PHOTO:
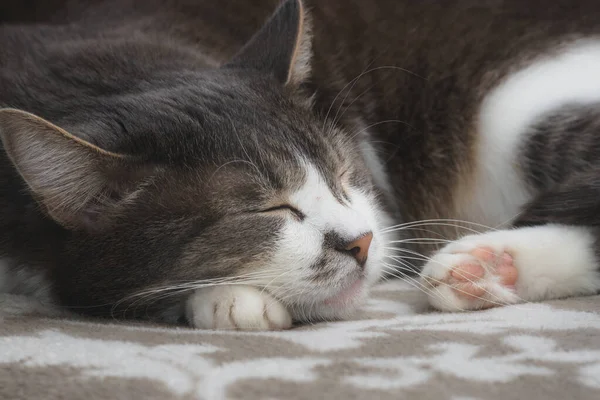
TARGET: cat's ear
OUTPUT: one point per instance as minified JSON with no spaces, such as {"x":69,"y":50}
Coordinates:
{"x":282,"y":47}
{"x":77,"y":183}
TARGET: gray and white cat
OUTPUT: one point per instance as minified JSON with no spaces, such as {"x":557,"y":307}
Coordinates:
{"x":185,"y":161}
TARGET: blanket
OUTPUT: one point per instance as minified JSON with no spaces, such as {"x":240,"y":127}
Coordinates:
{"x":394,"y":349}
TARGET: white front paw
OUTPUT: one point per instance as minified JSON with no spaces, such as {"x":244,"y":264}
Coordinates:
{"x":509,"y":266}
{"x":236,"y":307}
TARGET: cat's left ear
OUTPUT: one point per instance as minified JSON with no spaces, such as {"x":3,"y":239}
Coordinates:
{"x":282,"y":47}
{"x":76,"y":183}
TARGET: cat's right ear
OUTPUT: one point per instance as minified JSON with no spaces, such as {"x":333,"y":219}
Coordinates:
{"x":282,"y":47}
{"x":78,"y":184}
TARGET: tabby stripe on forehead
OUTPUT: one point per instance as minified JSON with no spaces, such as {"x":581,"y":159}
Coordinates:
{"x":333,"y":183}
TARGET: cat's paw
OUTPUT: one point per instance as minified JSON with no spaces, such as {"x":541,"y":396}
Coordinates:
{"x":472,"y":273}
{"x":236,"y":307}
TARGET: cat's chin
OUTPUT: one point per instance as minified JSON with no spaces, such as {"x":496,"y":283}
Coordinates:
{"x":347,"y":294}
{"x":341,"y":305}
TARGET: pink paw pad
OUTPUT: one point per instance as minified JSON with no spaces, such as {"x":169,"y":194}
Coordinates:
{"x":468,"y":277}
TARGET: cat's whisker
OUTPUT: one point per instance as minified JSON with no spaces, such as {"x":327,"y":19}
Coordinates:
{"x":438,"y":220}
{"x":422,"y":229}
{"x":167,"y":295}
{"x":258,"y":170}
{"x":226,"y":164}
{"x":497,"y":303}
{"x":463,"y":274}
{"x":253,"y":278}
{"x":393,"y":271}
{"x":219,"y":279}
{"x":336,"y":119}
{"x":403,"y":257}
{"x":434,"y":224}
{"x":417,"y":237}
{"x":152,"y":298}
{"x":207,"y":282}
{"x":219,"y":168}
{"x":351,"y":82}
{"x":356,"y":79}
{"x":409,"y":239}
{"x":421,"y":257}
{"x":379,"y":123}
{"x":197,"y":286}
{"x":506,"y":223}
{"x":420,"y":240}
{"x":415,"y":253}
{"x":275,"y":278}
{"x":414,"y":283}
{"x":438,"y":294}
{"x":298,"y":309}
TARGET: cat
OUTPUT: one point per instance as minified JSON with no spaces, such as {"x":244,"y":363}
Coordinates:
{"x":249,"y":165}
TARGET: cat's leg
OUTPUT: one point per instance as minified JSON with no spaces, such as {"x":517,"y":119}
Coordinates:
{"x":553,"y":248}
{"x":515,"y":265}
{"x":552,"y":251}
{"x":236,"y":307}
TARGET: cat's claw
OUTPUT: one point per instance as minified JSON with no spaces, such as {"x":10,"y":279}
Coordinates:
{"x":236,"y":307}
{"x":469,"y":275}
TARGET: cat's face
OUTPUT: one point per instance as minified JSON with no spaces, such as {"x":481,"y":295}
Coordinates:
{"x":295,"y":208}
{"x":284,"y":203}
{"x":228,"y":177}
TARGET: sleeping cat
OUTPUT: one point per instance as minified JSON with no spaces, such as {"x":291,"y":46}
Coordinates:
{"x":203,"y":163}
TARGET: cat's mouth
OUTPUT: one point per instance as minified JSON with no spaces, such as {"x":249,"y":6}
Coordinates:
{"x":347,"y":294}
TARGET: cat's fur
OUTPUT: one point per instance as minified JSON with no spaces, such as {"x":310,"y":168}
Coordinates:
{"x":171,"y":132}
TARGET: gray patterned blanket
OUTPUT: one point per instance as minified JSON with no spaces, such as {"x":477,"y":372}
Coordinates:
{"x":394,"y":350}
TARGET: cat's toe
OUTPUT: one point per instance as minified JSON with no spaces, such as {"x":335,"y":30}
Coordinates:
{"x":236,"y":308}
{"x":252,"y":309}
{"x":481,"y":277}
{"x":277,"y":316}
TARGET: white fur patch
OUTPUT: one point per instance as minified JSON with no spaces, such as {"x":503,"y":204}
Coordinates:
{"x":553,"y":261}
{"x":324,"y":212}
{"x":301,"y":243}
{"x":570,"y":76}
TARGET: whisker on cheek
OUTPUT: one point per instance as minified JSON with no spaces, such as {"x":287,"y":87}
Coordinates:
{"x":452,"y":222}
{"x":416,"y":284}
{"x":161,"y":292}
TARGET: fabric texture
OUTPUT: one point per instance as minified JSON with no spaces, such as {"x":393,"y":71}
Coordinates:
{"x":395,"y":349}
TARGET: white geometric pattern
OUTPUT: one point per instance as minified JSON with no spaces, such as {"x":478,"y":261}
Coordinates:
{"x":494,"y":347}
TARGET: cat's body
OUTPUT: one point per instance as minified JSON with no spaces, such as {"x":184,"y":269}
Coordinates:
{"x":484,"y":112}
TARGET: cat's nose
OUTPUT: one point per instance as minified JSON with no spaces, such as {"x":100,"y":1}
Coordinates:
{"x":359,"y":248}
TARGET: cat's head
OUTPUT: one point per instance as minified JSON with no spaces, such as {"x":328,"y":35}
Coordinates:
{"x":197,"y":177}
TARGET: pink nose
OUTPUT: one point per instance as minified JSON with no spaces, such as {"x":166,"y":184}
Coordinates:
{"x":359,"y":248}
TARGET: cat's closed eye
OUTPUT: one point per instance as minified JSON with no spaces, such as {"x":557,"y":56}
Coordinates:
{"x":285,"y":208}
